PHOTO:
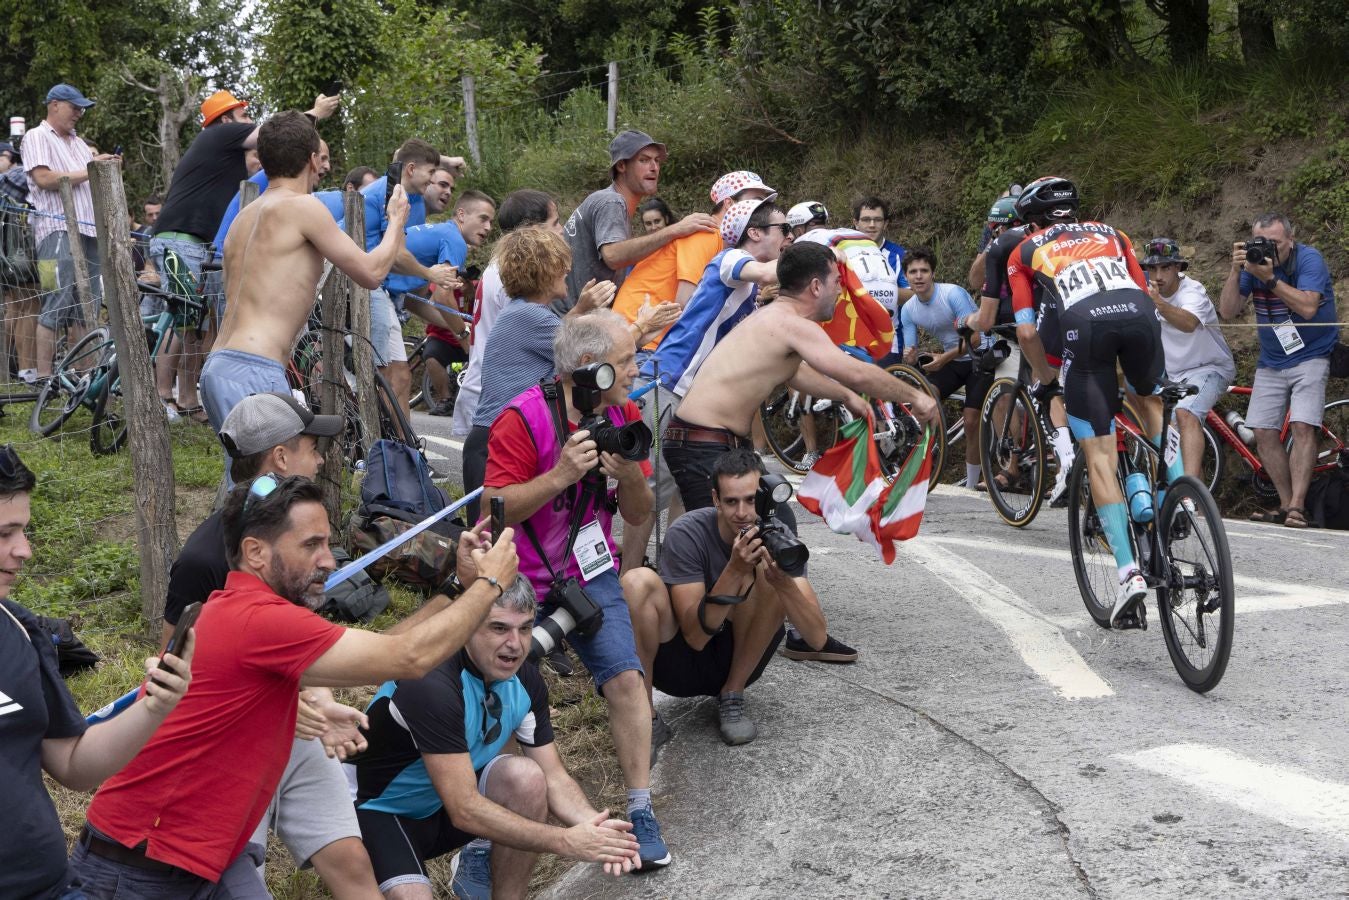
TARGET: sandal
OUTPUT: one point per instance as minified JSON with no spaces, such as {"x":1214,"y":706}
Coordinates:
{"x":1271,"y":516}
{"x":1007,"y":480}
{"x":195,"y":414}
{"x":1296,"y":518}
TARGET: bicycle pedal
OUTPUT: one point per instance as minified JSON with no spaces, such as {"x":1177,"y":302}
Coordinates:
{"x":1136,"y":619}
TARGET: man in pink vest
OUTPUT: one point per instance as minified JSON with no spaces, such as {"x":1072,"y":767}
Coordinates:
{"x":555,"y":480}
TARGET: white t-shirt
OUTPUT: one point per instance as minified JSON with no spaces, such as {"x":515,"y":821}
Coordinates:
{"x":494,"y":300}
{"x":1204,"y":347}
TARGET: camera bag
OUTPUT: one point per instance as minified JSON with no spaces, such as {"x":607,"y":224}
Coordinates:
{"x":358,"y":599}
{"x":1339,"y":360}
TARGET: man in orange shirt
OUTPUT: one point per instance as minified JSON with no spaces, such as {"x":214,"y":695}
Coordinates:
{"x":669,"y":275}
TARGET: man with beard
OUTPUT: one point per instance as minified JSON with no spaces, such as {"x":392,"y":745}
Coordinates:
{"x":177,"y":820}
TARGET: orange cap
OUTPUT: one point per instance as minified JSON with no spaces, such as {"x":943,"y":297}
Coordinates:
{"x":217,"y":105}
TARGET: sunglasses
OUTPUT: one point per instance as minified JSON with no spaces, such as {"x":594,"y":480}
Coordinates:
{"x":786,"y":228}
{"x":491,"y":709}
{"x":9,"y":461}
{"x":261,"y":488}
{"x":1162,"y":247}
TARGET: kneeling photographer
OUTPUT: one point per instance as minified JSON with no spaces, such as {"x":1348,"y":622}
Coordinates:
{"x":552,"y":454}
{"x":709,"y":623}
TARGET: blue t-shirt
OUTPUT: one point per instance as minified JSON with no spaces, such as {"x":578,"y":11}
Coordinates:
{"x":334,"y":201}
{"x":430,"y":245}
{"x":1305,"y":270}
{"x":376,"y":222}
{"x":937,"y":316}
{"x":894,"y":255}
{"x":232,"y":212}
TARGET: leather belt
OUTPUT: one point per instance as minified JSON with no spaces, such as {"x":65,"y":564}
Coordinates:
{"x":129,"y":856}
{"x":683,"y":434}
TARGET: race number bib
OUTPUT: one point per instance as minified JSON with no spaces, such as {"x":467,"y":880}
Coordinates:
{"x":592,"y":551}
{"x":1089,"y":277}
{"x":1172,"y":451}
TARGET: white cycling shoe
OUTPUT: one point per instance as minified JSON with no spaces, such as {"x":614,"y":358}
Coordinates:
{"x":1132,"y":591}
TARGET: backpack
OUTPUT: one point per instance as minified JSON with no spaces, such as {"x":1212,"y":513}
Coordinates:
{"x":358,"y":599}
{"x":1328,"y":499}
{"x":72,"y":656}
{"x":397,"y":483}
{"x":18,"y":257}
{"x":423,"y":562}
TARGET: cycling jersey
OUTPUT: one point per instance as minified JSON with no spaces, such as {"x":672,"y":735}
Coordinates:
{"x":866,"y":259}
{"x":995,"y":271}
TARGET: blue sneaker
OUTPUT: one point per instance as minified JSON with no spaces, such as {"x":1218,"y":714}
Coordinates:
{"x":472,"y":874}
{"x":652,"y":850}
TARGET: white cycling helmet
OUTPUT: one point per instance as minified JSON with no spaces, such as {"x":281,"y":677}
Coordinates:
{"x":810,"y":212}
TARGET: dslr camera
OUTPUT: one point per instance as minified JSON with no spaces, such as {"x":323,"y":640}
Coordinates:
{"x":572,"y":610}
{"x":785,"y":548}
{"x":631,"y":441}
{"x":1260,"y":250}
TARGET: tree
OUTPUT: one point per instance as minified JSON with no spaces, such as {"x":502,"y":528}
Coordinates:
{"x":1187,"y":29}
{"x":1255,"y":23}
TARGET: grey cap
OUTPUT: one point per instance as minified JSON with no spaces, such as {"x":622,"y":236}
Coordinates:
{"x":262,"y":421}
{"x":627,"y":144}
{"x":70,"y":95}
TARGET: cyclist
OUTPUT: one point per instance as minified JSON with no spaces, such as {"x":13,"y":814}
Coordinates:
{"x":1094,"y":307}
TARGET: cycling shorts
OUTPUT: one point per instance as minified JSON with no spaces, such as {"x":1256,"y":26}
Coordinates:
{"x":1051,"y":333}
{"x":1112,"y":327}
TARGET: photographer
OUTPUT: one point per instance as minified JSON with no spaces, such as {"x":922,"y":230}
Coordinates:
{"x":553,"y":475}
{"x":1292,"y":290}
{"x":708,"y":625}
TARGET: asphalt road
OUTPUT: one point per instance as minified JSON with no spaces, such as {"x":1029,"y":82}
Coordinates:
{"x":993,"y":741}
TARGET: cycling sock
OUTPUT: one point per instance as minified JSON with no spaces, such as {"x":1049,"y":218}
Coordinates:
{"x":1063,"y":447}
{"x":639,"y":798}
{"x":972,"y":474}
{"x":1115,"y":522}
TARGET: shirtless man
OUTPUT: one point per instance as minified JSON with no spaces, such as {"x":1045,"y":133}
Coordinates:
{"x":273,"y":258}
{"x":780,"y":342}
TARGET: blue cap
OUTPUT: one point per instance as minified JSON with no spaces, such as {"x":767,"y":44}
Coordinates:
{"x":70,"y":95}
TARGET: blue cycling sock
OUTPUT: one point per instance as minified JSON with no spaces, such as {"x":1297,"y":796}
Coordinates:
{"x":1115,"y":521}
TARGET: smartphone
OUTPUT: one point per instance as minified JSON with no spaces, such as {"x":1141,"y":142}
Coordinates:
{"x":334,"y":88}
{"x":498,"y":517}
{"x":185,"y":621}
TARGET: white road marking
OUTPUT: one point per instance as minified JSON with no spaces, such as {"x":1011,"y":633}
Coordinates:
{"x":444,"y":442}
{"x":1040,"y":643}
{"x":1274,"y":792}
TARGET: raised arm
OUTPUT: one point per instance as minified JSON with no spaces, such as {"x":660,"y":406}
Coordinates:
{"x":366,"y":269}
{"x":810,"y":342}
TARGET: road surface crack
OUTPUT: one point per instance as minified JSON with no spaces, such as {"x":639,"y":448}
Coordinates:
{"x":1049,"y":810}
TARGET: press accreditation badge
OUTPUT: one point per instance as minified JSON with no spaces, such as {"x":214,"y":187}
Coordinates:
{"x":1289,"y":338}
{"x":592,"y":551}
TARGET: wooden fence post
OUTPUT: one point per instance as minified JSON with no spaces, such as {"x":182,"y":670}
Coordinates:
{"x":332,"y":388}
{"x":471,"y":120}
{"x":148,"y":426}
{"x":613,"y":97}
{"x":362,"y":354}
{"x":83,"y":289}
{"x":4,"y":328}
{"x":248,"y":192}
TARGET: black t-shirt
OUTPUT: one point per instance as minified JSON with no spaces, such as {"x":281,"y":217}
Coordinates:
{"x":694,"y":551}
{"x":200,"y":569}
{"x":995,"y":271}
{"x":206,"y":179}
{"x":34,"y":706}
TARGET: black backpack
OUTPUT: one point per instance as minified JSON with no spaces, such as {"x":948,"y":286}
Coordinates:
{"x":358,"y":599}
{"x":397,"y":483}
{"x":1328,"y":499}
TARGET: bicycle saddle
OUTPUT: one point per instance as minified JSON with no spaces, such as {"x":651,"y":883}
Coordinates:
{"x":1175,"y":390}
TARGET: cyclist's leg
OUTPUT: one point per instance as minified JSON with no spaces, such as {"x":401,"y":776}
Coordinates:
{"x":1142,"y":359}
{"x":1051,"y":336}
{"x":976,"y":389}
{"x":808,"y":436}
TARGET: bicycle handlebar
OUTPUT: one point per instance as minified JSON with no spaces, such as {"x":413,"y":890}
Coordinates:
{"x":191,"y":303}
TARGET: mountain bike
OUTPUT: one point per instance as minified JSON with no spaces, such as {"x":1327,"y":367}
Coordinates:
{"x":1182,"y":552}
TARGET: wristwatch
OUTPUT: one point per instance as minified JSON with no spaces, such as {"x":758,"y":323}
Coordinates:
{"x":451,"y":587}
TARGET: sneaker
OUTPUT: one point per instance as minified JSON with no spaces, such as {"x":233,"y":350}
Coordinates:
{"x":471,"y":871}
{"x":28,"y":376}
{"x":171,"y":412}
{"x":651,"y":847}
{"x":661,"y":732}
{"x":1058,"y":494}
{"x":559,"y":662}
{"x":833,"y":651}
{"x":1132,"y":591}
{"x":821,"y":405}
{"x":810,"y":459}
{"x":443,"y":408}
{"x":736,"y":728}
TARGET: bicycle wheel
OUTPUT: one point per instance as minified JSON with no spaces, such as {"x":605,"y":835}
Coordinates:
{"x":1093,"y":561}
{"x":421,"y":397}
{"x":937,"y":449}
{"x":1333,"y":436}
{"x":782,"y":427}
{"x":63,"y":393}
{"x":1196,"y":600}
{"x":1213,"y":466}
{"x":108,"y":434}
{"x":1012,"y":444}
{"x":428,"y":392}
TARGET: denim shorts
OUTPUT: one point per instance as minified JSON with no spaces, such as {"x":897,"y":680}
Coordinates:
{"x":229,"y":376}
{"x":386,"y":334}
{"x":194,"y":255}
{"x":612,"y":650}
{"x":1213,"y":383}
{"x":1300,"y":391}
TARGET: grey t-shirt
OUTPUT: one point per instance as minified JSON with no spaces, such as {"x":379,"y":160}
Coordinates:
{"x":694,"y":551}
{"x":602,"y":218}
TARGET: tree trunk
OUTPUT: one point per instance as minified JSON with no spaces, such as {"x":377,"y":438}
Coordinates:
{"x":1187,"y":31}
{"x":177,"y":101}
{"x":1255,"y":22}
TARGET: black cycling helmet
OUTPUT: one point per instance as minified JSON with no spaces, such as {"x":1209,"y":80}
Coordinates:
{"x":1163,"y":251}
{"x":1047,"y":200}
{"x":1004,"y":212}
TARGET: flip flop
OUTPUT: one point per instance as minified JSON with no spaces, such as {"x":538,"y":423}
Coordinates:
{"x":1271,"y":516}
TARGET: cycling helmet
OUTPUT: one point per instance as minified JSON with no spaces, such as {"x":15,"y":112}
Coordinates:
{"x":733,"y":183}
{"x":811,"y":212}
{"x":1047,"y":200}
{"x":1004,"y":212}
{"x":1163,"y":251}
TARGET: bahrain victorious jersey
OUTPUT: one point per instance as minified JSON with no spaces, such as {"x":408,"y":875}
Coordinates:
{"x":1067,"y":263}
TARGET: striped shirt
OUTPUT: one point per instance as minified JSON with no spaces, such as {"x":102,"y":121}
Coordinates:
{"x":519,"y":353}
{"x":44,"y":147}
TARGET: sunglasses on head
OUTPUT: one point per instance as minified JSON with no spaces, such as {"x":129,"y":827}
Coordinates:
{"x":261,"y":488}
{"x":491,"y":709}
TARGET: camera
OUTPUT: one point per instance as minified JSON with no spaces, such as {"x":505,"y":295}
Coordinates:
{"x":631,"y":441}
{"x":787,"y":551}
{"x":572,"y":610}
{"x":1261,"y":250}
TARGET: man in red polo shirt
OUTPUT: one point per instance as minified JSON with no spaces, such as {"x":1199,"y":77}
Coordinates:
{"x":176,"y":821}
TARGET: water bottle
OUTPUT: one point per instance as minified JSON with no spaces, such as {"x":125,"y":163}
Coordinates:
{"x":1237,"y":423}
{"x":1139,"y":491}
